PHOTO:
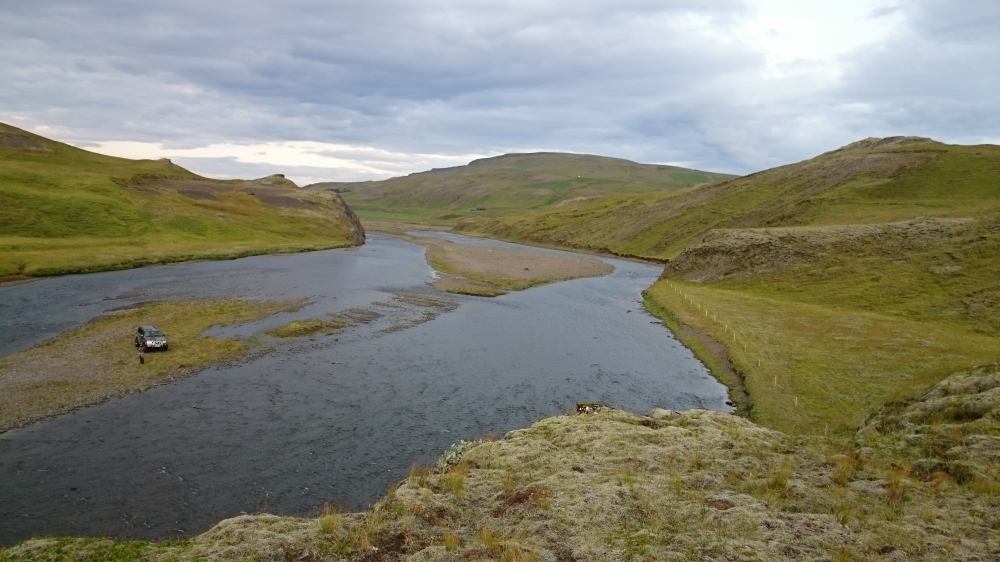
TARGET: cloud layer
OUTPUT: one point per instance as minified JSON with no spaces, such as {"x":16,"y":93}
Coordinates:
{"x":367,"y":89}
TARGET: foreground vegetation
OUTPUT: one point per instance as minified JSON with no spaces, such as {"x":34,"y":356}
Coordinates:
{"x":63,"y":210}
{"x":695,"y":485}
{"x":98,"y":360}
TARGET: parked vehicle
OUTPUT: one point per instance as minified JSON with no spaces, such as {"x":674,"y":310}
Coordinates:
{"x":150,"y":338}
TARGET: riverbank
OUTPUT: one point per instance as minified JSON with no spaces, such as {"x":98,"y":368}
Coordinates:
{"x":480,"y":271}
{"x":98,"y":361}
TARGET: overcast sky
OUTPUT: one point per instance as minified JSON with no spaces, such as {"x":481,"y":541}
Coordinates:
{"x":347,"y":90}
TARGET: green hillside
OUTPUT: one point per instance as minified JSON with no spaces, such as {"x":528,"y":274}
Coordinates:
{"x":821,"y":289}
{"x":513,"y":183}
{"x":870,"y":181}
{"x":63,"y":209}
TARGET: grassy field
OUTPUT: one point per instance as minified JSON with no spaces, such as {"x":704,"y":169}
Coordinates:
{"x":98,"y":360}
{"x":509,"y":184}
{"x":63,"y":209}
{"x":823,"y":369}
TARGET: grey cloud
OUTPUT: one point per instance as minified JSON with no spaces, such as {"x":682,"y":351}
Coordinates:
{"x":619,"y":78}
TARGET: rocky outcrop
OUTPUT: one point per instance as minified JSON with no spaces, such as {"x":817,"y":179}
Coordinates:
{"x":355,"y":230}
{"x":725,"y":253}
{"x":277,"y":180}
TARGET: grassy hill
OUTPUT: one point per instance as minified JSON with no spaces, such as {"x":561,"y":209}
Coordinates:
{"x":512,"y":183}
{"x":64,"y":209}
{"x":870,"y":181}
{"x":825,"y":287}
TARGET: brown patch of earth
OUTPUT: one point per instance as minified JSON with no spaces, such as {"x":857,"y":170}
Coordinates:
{"x":488,"y":272}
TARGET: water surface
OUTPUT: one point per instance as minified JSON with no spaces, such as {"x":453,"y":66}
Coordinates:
{"x":328,"y":419}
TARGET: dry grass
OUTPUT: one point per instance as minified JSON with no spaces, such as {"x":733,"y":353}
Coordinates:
{"x":99,"y":360}
{"x":330,"y":520}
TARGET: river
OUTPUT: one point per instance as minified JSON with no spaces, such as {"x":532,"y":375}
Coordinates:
{"x":328,"y":419}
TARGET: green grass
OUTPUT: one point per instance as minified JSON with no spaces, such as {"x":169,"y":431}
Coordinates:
{"x":508,"y":185}
{"x":299,"y":328}
{"x":99,"y":360}
{"x":860,"y":184}
{"x":823,"y":369}
{"x":63,"y":209}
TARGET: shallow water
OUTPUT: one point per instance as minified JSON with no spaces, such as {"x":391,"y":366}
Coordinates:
{"x":328,"y":419}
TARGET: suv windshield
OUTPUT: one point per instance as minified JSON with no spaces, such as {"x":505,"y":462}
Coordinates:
{"x":153,"y":333}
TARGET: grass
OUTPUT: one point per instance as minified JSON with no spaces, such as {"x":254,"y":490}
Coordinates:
{"x":67,"y":210}
{"x":821,"y":369}
{"x":870,"y":183}
{"x":506,"y":185}
{"x":98,"y":360}
{"x":298,"y":328}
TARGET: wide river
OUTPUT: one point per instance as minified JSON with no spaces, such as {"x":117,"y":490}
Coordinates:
{"x":325,"y":419}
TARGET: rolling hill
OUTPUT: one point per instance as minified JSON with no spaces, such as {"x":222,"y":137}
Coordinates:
{"x":509,"y":184}
{"x":820,"y":290}
{"x":64,"y":209}
{"x":870,"y":181}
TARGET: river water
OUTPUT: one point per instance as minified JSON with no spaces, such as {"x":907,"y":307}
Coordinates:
{"x":326,"y":419}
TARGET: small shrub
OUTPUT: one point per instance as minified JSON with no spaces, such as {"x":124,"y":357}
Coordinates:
{"x":330,"y":520}
{"x":454,"y":480}
{"x":451,"y":541}
{"x":897,"y":487}
{"x":509,"y":481}
{"x":419,"y":476}
{"x":844,"y":468}
{"x":516,"y":552}
{"x":490,"y":539}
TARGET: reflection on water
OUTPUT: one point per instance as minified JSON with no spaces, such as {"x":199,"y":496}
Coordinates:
{"x":329,"y":419}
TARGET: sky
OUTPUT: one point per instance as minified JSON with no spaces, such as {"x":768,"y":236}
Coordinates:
{"x":347,"y":90}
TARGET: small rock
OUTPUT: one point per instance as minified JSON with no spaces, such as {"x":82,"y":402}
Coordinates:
{"x":662,"y":414}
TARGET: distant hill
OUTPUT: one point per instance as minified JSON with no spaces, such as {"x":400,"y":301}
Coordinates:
{"x":64,"y":209}
{"x":508,"y":184}
{"x":870,"y":181}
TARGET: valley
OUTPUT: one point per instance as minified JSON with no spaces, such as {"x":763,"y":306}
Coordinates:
{"x":846,"y":301}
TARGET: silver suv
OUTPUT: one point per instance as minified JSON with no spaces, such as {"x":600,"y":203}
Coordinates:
{"x":149,"y":338}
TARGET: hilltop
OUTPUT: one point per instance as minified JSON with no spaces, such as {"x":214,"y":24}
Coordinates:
{"x":64,"y":209}
{"x":870,"y":181}
{"x":508,"y":184}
